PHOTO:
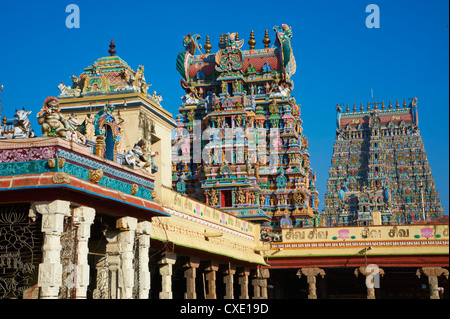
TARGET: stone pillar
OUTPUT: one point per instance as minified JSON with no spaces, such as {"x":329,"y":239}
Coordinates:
{"x":83,"y":218}
{"x":243,"y":283}
{"x":143,"y":232}
{"x":50,"y":270}
{"x":165,"y":269}
{"x":113,"y":263}
{"x":228,"y":280}
{"x":311,"y":274}
{"x":370,"y":271}
{"x":191,"y":274}
{"x":210,"y":274}
{"x":260,"y":284}
{"x":433,"y":273}
{"x":125,"y":239}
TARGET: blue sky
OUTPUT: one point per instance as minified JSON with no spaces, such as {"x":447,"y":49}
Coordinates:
{"x":339,"y":59}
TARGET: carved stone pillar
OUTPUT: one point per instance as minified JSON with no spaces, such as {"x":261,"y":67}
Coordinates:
{"x":260,"y":284}
{"x":83,"y":218}
{"x":228,"y":280}
{"x":311,"y":274}
{"x":243,"y":282}
{"x":143,"y":232}
{"x":371,"y":272}
{"x":210,"y":275}
{"x":433,"y":273}
{"x":190,"y":274}
{"x":165,"y":269}
{"x":125,"y":239}
{"x":50,"y":270}
{"x":112,"y":261}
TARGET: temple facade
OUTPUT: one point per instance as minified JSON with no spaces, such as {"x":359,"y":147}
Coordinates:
{"x":87,"y":210}
{"x":379,"y":168}
{"x":239,"y":143}
{"x":91,"y":207}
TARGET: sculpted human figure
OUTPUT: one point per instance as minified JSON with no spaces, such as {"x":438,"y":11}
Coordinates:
{"x":53,"y":122}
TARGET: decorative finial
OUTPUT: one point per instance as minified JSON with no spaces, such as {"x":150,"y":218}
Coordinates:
{"x":368,"y":106}
{"x":1,"y":89}
{"x":208,"y":45}
{"x":221,"y":43}
{"x":404,"y":103}
{"x":266,"y":40}
{"x":111,"y":50}
{"x":382,"y":105}
{"x":376,"y":106}
{"x":354,"y":107}
{"x":347,"y":109}
{"x":236,"y":38}
{"x":252,"y":41}
{"x":397,"y":105}
{"x":361,"y":108}
{"x":390,"y":105}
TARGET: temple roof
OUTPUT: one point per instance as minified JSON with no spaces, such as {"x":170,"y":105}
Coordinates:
{"x":108,"y":75}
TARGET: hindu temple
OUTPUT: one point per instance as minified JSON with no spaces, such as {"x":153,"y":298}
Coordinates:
{"x":379,"y":168}
{"x":114,"y":198}
{"x":239,"y":143}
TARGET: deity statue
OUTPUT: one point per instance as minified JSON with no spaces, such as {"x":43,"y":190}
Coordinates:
{"x":53,"y":122}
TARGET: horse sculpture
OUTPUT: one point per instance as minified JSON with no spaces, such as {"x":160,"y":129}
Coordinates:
{"x":17,"y":128}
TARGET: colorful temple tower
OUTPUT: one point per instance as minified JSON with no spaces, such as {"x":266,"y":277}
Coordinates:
{"x":239,"y":143}
{"x":111,"y":105}
{"x":379,"y":170}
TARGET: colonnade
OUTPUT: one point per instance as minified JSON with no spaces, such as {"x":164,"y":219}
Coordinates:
{"x":372,"y":274}
{"x":123,"y":271}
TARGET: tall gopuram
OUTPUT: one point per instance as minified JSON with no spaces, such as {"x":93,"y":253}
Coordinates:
{"x":379,"y":169}
{"x":239,"y":143}
{"x":109,"y":88}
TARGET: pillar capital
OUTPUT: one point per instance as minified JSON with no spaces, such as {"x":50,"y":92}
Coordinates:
{"x":310,"y":274}
{"x":367,"y":271}
{"x":126,"y":223}
{"x":53,"y":215}
{"x":168,"y":259}
{"x":144,"y":228}
{"x":432,"y":272}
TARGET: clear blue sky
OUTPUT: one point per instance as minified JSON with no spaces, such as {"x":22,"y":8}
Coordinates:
{"x":339,"y":60}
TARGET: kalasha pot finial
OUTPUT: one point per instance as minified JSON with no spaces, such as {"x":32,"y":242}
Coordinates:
{"x":111,"y":50}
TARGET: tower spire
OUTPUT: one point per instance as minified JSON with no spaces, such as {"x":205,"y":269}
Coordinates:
{"x":112,"y":46}
{"x":252,"y":41}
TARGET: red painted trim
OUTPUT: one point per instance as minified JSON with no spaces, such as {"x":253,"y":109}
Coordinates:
{"x":40,"y":187}
{"x":357,"y":261}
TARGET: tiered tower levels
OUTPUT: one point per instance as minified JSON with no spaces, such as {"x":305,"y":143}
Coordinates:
{"x":379,"y":168}
{"x":239,"y":144}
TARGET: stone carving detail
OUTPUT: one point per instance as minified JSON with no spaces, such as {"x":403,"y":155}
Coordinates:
{"x":61,"y":178}
{"x":53,"y":122}
{"x":18,"y":128}
{"x":95,"y":175}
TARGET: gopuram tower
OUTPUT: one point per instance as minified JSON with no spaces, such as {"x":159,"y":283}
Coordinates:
{"x":239,"y":143}
{"x":379,"y":171}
